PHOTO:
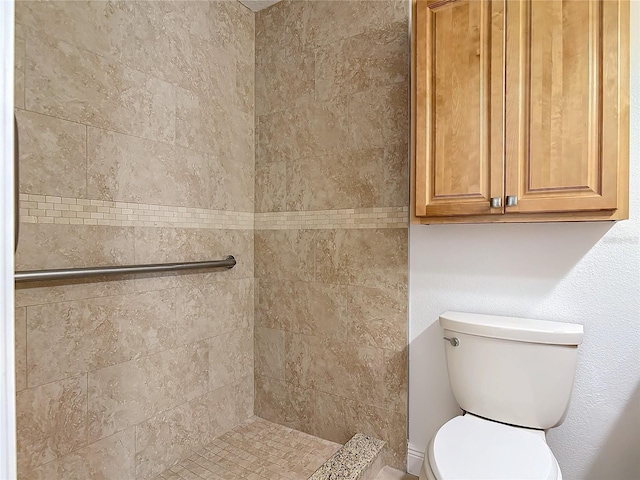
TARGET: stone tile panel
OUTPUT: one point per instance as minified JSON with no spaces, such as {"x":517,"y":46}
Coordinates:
{"x":377,"y":316}
{"x":99,"y":27}
{"x":270,"y":353}
{"x":343,"y":369}
{"x":245,"y":397}
{"x":107,"y":459}
{"x":271,"y":186}
{"x":287,"y":81}
{"x":284,"y":403}
{"x":51,"y":421}
{"x":337,"y":419}
{"x":370,"y":258}
{"x":123,"y":168}
{"x":378,"y":117}
{"x":20,"y":48}
{"x":211,"y":309}
{"x":128,"y":393}
{"x":312,"y":129}
{"x":68,"y":82}
{"x":53,"y":157}
{"x":46,"y":246}
{"x":348,"y":66}
{"x":373,"y":177}
{"x":231,"y":358}
{"x":21,"y":347}
{"x":70,"y":338}
{"x":285,"y":254}
{"x":168,"y":436}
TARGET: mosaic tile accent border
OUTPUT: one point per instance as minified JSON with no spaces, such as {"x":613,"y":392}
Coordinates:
{"x":376,"y":217}
{"x":80,"y":211}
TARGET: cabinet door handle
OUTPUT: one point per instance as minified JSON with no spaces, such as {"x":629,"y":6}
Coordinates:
{"x":512,"y":200}
{"x":495,"y":202}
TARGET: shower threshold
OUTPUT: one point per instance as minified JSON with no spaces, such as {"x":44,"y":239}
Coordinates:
{"x":255,"y":449}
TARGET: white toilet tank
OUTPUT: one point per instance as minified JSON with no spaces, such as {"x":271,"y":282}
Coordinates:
{"x":512,"y":370}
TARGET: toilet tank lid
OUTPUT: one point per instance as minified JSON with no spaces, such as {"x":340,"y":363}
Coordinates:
{"x":513,"y":328}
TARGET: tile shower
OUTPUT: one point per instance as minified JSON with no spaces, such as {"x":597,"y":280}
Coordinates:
{"x":184,"y":131}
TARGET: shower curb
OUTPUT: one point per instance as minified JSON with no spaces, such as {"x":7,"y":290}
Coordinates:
{"x":359,"y":459}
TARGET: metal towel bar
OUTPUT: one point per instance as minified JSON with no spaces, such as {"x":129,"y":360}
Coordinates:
{"x":67,"y":273}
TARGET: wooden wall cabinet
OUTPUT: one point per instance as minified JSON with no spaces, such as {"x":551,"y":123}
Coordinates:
{"x":520,"y":110}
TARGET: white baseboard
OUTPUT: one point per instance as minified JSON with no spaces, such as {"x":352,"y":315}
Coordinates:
{"x":415,"y":457}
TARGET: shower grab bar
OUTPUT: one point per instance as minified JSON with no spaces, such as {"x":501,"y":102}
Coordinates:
{"x":68,"y":273}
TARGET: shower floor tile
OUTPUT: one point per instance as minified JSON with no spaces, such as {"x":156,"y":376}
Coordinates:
{"x":255,"y":449}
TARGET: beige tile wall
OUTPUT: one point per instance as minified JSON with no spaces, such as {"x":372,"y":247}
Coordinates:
{"x":136,"y":132}
{"x":137,"y":146}
{"x":331,"y":209}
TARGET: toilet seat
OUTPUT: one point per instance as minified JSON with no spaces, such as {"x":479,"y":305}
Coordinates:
{"x":469,"y":447}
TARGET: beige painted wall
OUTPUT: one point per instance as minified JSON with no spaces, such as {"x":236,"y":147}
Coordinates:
{"x":136,"y":134}
{"x":331,"y":231}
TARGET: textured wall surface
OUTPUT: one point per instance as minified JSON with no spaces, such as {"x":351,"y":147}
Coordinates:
{"x":136,"y":134}
{"x":586,"y":273}
{"x":331,"y":171}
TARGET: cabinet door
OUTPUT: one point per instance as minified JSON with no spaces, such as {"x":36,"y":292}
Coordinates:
{"x":459,"y":107}
{"x":565,"y":111}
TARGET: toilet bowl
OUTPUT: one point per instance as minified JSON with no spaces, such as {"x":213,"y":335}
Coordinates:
{"x":470,"y":447}
{"x":513,"y":379}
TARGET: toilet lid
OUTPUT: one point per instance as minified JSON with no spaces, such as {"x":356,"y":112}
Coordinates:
{"x":468,"y":447}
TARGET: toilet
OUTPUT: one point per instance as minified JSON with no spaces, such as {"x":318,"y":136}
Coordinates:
{"x":512,"y":378}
